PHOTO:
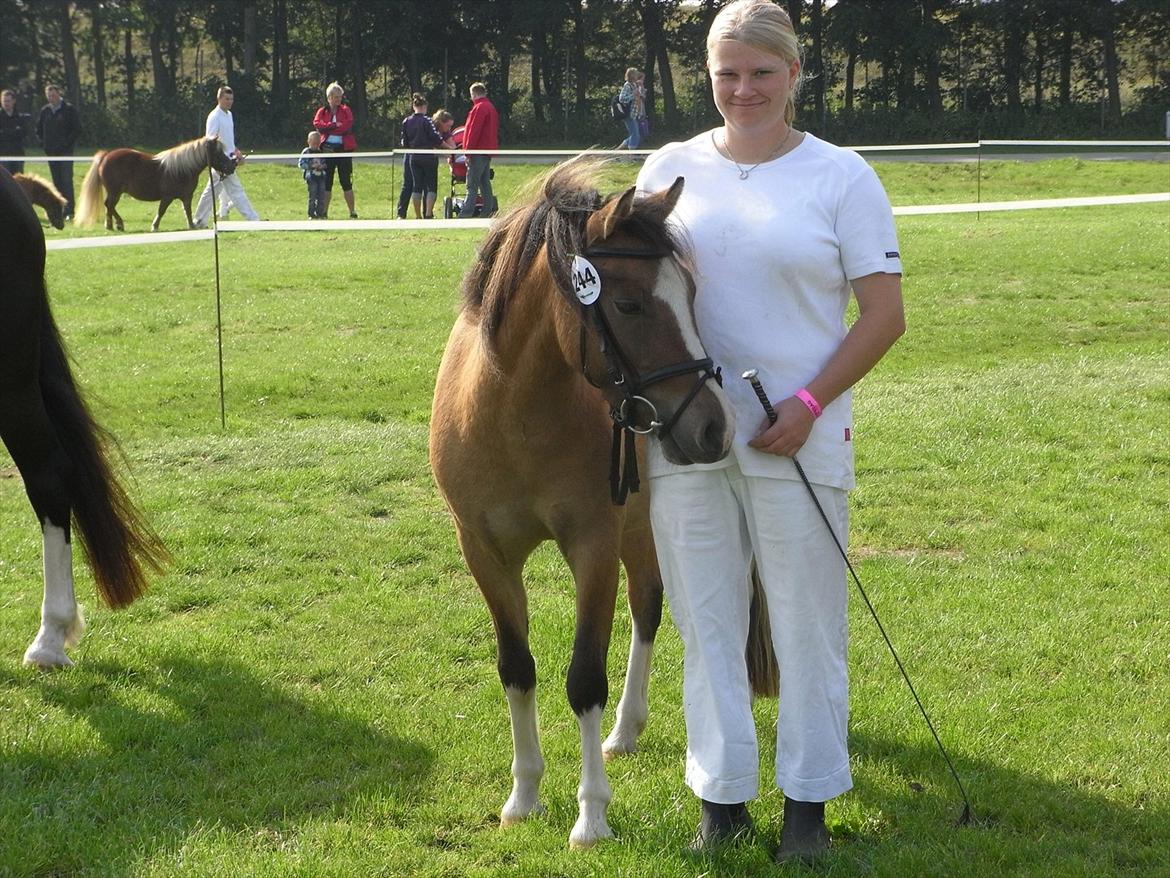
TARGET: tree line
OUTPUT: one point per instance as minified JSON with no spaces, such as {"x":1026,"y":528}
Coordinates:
{"x":145,"y":71}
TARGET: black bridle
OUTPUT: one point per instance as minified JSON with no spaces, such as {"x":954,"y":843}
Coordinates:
{"x":621,"y":374}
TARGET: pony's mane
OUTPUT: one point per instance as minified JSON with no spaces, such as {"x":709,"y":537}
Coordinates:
{"x":185,"y":159}
{"x":38,"y":189}
{"x":555,"y":218}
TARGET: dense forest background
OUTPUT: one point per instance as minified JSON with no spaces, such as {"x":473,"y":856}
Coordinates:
{"x":144,"y":72}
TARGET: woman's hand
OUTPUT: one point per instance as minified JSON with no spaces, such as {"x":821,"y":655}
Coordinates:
{"x":787,"y":436}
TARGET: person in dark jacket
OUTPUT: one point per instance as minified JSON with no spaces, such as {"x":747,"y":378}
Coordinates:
{"x":14,"y":128}
{"x":57,"y":130}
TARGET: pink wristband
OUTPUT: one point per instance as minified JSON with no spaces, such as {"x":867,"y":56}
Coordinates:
{"x":809,"y":401}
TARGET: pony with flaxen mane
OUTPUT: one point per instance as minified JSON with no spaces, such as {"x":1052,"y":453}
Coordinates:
{"x":44,"y":195}
{"x":576,"y":332}
{"x":62,"y":454}
{"x":170,"y":175}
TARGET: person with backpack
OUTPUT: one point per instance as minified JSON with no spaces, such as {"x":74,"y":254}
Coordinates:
{"x":631,"y":101}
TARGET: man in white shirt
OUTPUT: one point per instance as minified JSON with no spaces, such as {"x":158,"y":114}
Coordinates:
{"x":221,"y":124}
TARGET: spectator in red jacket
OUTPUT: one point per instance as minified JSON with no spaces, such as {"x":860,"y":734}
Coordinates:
{"x":335,"y":122}
{"x":481,"y":131}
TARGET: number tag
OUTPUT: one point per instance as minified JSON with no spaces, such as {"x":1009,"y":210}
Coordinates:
{"x":586,"y":281}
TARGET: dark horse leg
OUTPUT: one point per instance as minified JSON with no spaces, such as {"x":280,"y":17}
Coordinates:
{"x":501,"y":583}
{"x":644,"y":591}
{"x":25,"y":424}
{"x":57,"y":447}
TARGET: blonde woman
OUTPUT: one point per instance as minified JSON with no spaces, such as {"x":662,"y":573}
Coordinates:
{"x":785,"y":228}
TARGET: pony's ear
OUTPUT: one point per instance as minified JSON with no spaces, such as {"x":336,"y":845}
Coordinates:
{"x":661,"y":204}
{"x":605,"y":221}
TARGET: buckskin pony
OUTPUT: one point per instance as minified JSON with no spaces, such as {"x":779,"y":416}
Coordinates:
{"x":576,"y":331}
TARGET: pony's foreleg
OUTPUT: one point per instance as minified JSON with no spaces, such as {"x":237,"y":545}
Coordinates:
{"x":596,"y":573}
{"x":644,"y":588}
{"x":61,"y":621}
{"x":186,"y":202}
{"x":527,"y":761}
{"x":502,"y":586}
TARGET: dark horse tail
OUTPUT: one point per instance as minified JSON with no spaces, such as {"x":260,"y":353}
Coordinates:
{"x":763,"y":669}
{"x":118,"y":542}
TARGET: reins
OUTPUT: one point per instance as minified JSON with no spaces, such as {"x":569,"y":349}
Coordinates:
{"x":622,"y":375}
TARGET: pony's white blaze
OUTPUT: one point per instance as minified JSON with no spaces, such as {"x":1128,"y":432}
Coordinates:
{"x":671,"y":288}
{"x":61,"y":621}
{"x":594,"y":794}
{"x":527,"y":761}
{"x":634,"y":707}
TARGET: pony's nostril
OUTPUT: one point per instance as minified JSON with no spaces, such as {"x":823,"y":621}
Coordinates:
{"x":713,"y":435}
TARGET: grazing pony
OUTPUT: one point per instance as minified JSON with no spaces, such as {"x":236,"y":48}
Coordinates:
{"x":60,"y":451}
{"x":577,"y":316}
{"x":171,"y":174}
{"x":44,"y":195}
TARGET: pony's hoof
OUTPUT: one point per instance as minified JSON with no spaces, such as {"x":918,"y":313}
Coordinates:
{"x":586,"y":833}
{"x":45,"y":659}
{"x":514,"y":813}
{"x":618,"y":745}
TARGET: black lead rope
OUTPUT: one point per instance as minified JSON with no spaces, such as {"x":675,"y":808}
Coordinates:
{"x":966,"y":817}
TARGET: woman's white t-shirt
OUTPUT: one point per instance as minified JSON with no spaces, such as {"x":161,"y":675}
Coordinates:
{"x":773,"y":258}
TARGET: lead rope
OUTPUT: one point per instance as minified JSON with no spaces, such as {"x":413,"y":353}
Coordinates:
{"x":966,"y":817}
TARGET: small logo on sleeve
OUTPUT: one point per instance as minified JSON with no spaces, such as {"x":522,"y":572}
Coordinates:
{"x":848,"y":434}
{"x":892,"y":254}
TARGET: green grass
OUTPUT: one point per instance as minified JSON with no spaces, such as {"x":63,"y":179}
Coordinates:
{"x":278,"y":192}
{"x":311,"y":688}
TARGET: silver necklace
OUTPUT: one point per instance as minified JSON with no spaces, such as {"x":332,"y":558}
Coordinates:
{"x":744,"y":173}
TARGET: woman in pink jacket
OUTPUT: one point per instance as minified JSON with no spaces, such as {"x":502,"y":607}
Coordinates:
{"x":335,"y":122}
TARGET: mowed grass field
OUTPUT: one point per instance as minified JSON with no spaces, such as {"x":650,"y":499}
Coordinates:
{"x":311,"y":689}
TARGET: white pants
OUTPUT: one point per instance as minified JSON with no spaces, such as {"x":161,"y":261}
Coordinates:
{"x":707,"y":524}
{"x":231,"y":194}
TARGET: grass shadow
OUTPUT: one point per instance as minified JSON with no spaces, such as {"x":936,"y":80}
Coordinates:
{"x":187,"y":747}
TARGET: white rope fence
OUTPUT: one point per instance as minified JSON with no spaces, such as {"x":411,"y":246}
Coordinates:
{"x":467,"y":224}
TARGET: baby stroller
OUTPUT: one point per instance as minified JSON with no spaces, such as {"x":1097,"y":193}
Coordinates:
{"x":453,"y":203}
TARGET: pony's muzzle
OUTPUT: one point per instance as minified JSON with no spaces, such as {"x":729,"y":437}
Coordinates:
{"x":704,"y":430}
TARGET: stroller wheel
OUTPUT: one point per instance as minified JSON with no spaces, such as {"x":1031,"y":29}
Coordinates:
{"x":448,"y":208}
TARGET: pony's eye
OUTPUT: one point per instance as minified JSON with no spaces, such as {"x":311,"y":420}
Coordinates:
{"x":628,"y":306}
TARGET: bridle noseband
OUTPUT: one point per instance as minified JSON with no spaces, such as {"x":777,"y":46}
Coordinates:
{"x":622,"y":375}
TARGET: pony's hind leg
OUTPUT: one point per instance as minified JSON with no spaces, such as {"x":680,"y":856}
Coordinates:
{"x":25,"y":428}
{"x":644,"y":589}
{"x":112,"y":215}
{"x":503,"y":589}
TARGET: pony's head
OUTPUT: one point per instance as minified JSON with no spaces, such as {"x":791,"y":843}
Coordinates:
{"x":45,"y":195}
{"x":622,"y":304}
{"x":217,"y":158}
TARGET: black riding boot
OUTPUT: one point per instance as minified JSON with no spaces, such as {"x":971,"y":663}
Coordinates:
{"x":804,"y":835}
{"x":721,"y":823}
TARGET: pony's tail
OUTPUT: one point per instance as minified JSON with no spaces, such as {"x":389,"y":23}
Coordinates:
{"x":763,"y":669}
{"x":89,"y":204}
{"x":118,"y":542}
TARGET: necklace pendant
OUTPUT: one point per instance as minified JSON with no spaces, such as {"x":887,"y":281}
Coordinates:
{"x":743,"y":175}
